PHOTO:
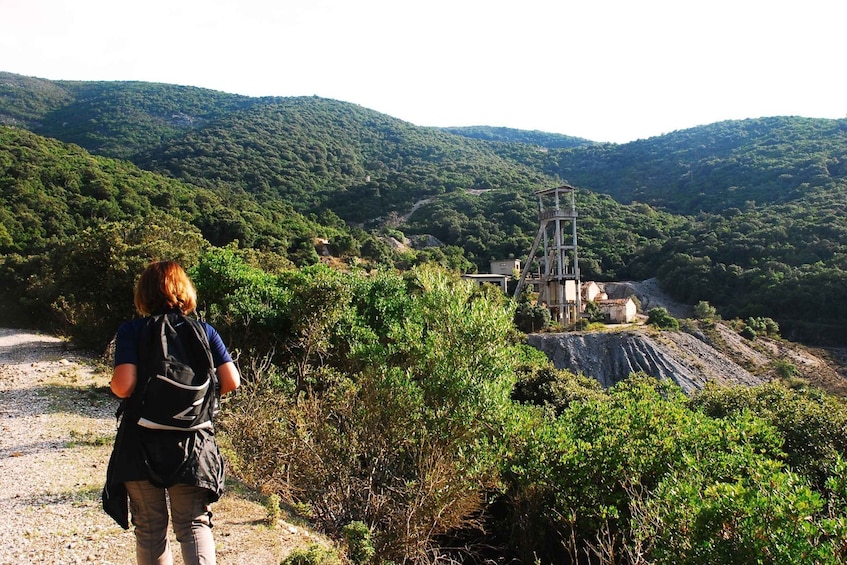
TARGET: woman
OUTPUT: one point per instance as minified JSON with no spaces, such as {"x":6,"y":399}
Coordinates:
{"x":164,"y":287}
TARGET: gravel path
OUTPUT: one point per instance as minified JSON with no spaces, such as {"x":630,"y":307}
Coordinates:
{"x":56,"y":430}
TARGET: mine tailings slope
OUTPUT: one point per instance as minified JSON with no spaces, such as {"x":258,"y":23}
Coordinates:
{"x":689,"y":359}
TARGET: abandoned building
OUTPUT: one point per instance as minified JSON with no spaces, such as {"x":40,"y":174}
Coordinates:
{"x":618,"y":310}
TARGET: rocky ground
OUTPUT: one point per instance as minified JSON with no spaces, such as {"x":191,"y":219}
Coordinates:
{"x":692,"y":357}
{"x":56,"y":429}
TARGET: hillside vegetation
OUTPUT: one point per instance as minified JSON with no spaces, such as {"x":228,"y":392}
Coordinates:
{"x":748,"y":215}
{"x":397,"y":407}
{"x":401,"y":412}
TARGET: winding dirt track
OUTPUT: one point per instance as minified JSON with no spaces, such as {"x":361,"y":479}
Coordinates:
{"x":56,"y":429}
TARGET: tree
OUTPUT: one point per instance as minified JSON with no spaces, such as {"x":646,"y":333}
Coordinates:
{"x":660,"y":318}
{"x":89,"y":281}
{"x":704,"y":311}
{"x":531,"y":317}
{"x":593,"y":312}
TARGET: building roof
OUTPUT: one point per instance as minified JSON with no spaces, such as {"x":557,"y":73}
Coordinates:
{"x":614,"y":301}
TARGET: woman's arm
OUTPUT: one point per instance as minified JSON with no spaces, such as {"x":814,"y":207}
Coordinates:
{"x":228,"y":377}
{"x":124,"y":378}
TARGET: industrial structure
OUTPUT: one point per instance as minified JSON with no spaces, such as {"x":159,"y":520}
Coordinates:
{"x":557,"y":280}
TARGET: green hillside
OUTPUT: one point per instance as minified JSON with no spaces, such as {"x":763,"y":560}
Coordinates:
{"x":115,"y":119}
{"x":747,"y":215}
{"x":316,"y":153}
{"x":51,"y":191}
{"x":733,"y":164}
{"x":510,"y":135}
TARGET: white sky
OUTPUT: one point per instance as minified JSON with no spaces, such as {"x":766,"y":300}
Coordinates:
{"x":606,"y":70}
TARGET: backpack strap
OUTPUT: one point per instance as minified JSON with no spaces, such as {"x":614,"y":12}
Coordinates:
{"x":199,"y":349}
{"x":148,"y":339}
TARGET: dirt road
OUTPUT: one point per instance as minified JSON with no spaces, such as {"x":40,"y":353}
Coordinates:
{"x":56,"y":430}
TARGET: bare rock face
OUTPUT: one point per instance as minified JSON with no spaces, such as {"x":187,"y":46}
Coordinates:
{"x":610,"y":357}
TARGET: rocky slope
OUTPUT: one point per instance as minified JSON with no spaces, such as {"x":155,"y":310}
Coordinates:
{"x":611,"y":356}
{"x":691,"y":358}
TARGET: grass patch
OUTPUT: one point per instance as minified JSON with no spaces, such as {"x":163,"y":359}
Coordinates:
{"x":88,"y":439}
{"x":77,"y":399}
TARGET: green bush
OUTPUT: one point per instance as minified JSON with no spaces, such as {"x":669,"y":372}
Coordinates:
{"x":763,"y":326}
{"x":315,"y":554}
{"x":660,"y":318}
{"x":531,"y":317}
{"x":272,"y":509}
{"x":400,"y":390}
{"x":748,"y":333}
{"x":813,"y":424}
{"x":785,"y":369}
{"x":543,"y":385}
{"x":89,"y":279}
{"x":593,"y":313}
{"x":705,"y":311}
{"x":576,"y":477}
{"x":360,"y":548}
{"x":758,"y":514}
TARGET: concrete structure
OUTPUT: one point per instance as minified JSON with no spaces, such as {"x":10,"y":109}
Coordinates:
{"x":619,"y":310}
{"x":591,"y":291}
{"x":505,"y":267}
{"x":500,"y":280}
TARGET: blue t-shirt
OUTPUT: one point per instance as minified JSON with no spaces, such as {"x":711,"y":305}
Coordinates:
{"x":126,"y":343}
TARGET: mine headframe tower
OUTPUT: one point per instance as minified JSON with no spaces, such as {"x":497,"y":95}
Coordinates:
{"x":557,"y":281}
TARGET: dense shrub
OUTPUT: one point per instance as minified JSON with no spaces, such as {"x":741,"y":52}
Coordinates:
{"x":812,"y":424}
{"x":88,"y":281}
{"x":544,"y":385}
{"x":391,"y":408}
{"x":759,"y":513}
{"x":314,"y":554}
{"x":530,"y":317}
{"x":570,"y":479}
{"x":763,"y":326}
{"x":593,"y":312}
{"x":705,"y":311}
{"x":357,"y":537}
{"x":660,"y":318}
{"x":639,"y":477}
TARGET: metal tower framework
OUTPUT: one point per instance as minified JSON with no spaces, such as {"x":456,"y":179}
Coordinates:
{"x":558,"y":282}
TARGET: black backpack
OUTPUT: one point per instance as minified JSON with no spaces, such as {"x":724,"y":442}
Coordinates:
{"x":176,"y":375}
{"x":174,"y":401}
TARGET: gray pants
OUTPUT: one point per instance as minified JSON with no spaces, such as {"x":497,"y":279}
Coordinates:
{"x":192,"y":519}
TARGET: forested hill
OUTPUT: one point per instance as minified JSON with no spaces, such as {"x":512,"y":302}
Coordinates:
{"x":732,"y":164}
{"x":510,"y":135}
{"x":749,"y":215}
